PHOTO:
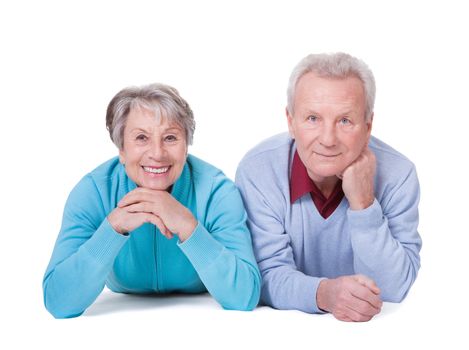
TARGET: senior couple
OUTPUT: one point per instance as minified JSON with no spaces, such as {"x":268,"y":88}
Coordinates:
{"x":321,"y":219}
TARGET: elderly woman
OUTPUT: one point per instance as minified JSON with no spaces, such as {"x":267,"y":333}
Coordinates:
{"x":154,"y":219}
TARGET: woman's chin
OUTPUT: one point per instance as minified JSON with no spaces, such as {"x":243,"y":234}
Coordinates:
{"x":154,"y":184}
{"x":157,"y":187}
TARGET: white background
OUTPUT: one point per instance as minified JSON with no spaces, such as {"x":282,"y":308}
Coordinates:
{"x":62,"y":61}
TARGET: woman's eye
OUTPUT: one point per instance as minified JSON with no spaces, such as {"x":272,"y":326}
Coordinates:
{"x":170,"y":138}
{"x":141,"y":137}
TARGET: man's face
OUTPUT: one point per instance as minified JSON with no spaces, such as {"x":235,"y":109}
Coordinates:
{"x":328,"y":124}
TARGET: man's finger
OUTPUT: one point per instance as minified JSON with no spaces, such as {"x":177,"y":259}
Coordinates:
{"x":356,"y":316}
{"x":370,"y":305}
{"x":368,"y":282}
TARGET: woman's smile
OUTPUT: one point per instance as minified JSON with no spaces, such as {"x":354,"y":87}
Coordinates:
{"x":156,"y":170}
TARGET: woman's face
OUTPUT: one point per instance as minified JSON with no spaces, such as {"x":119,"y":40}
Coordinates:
{"x":154,"y":151}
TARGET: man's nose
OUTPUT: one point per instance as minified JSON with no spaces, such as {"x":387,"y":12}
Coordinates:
{"x":328,"y":136}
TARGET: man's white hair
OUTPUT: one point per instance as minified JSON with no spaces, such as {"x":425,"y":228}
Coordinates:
{"x":336,"y":66}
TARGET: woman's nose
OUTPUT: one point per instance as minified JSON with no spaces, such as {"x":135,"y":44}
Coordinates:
{"x":157,"y":150}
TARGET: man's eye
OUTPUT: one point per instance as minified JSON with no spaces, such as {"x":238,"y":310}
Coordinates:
{"x":345,"y":121}
{"x":312,"y":118}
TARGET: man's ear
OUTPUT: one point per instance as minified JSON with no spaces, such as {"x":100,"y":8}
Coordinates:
{"x":370,"y":126}
{"x":290,"y":123}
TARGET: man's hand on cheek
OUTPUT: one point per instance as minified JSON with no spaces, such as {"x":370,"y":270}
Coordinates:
{"x":357,"y":181}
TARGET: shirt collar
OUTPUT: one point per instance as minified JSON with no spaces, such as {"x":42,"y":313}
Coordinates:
{"x":301,"y":184}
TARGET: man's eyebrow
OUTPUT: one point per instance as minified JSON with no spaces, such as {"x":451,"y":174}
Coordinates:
{"x":346,"y":112}
{"x":311,"y":111}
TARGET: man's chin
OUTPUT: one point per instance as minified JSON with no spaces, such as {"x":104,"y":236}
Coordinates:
{"x":322,"y":174}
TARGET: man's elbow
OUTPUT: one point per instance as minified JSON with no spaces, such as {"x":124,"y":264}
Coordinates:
{"x":396,"y":293}
{"x":394,"y":297}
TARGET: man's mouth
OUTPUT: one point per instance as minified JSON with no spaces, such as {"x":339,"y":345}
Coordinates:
{"x":156,"y":170}
{"x":327,"y":155}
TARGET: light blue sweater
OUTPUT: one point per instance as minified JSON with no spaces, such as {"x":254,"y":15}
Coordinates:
{"x":296,"y":247}
{"x":89,"y":254}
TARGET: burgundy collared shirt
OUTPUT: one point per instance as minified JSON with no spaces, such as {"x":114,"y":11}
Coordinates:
{"x":301,"y":183}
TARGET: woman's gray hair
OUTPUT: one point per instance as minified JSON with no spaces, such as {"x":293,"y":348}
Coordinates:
{"x":162,"y":99}
{"x":336,"y":66}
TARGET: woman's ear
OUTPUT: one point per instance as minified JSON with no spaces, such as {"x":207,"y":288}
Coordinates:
{"x":122,"y":157}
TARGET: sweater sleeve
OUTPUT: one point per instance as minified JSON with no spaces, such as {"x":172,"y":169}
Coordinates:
{"x":385,"y":240}
{"x":220,"y":250}
{"x":283,"y":286}
{"x":83,"y":254}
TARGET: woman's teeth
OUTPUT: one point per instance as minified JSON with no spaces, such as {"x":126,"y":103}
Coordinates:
{"x":156,"y":170}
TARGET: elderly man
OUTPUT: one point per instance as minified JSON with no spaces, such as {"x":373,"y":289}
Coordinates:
{"x":333,"y":211}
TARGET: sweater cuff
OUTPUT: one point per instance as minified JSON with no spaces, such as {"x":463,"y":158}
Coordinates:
{"x":201,"y":248}
{"x":367,"y":218}
{"x":105,"y":243}
{"x":316,"y":309}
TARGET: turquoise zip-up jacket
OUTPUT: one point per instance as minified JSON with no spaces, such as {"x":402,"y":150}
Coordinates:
{"x":90,"y":254}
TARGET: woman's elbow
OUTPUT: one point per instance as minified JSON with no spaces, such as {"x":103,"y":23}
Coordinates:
{"x":59,"y":312}
{"x":240,"y":305}
{"x":247,"y":301}
{"x":57,"y":307}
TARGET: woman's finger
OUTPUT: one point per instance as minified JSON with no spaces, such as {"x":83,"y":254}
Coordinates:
{"x":155,"y":220}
